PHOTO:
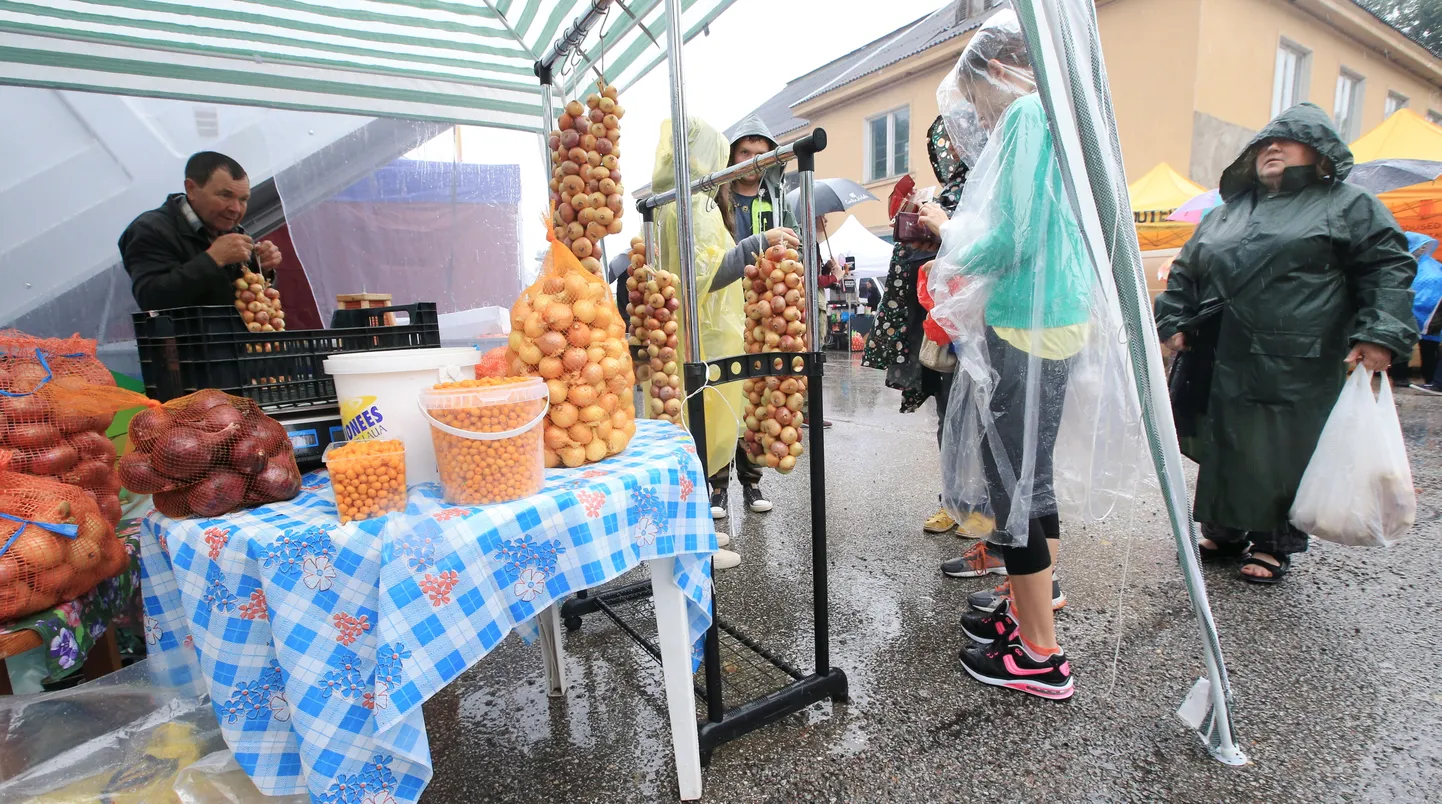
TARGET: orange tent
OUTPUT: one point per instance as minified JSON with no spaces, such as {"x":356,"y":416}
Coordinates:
{"x":1156,"y":195}
{"x":1406,"y":135}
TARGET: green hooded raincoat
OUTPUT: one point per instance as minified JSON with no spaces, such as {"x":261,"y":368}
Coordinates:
{"x":1303,"y":275}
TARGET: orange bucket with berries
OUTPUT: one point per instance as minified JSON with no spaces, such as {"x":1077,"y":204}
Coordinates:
{"x":488,"y":436}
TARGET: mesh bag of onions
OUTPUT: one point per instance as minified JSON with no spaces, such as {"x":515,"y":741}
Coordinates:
{"x":56,"y":402}
{"x":567,"y":330}
{"x":55,"y":544}
{"x":586,"y":189}
{"x":208,"y":454}
{"x":775,"y":309}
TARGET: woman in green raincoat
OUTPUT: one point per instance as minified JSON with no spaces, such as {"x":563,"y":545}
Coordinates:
{"x":1296,"y":275}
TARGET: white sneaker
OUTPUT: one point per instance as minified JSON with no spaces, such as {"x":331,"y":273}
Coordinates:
{"x":723,"y":539}
{"x":725,"y":559}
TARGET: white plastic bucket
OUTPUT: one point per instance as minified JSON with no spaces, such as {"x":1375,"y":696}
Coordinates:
{"x":378,"y":392}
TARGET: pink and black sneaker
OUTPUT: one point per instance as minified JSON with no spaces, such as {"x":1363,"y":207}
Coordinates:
{"x":987,"y":628}
{"x":1005,"y":663}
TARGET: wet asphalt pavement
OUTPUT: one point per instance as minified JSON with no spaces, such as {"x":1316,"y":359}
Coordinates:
{"x":1335,"y":672}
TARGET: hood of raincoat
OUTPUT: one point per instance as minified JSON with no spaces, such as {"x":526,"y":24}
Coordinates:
{"x":1419,"y":244}
{"x":721,"y":316}
{"x":1305,"y":123}
{"x":752,"y":126}
{"x":706,"y":150}
{"x":992,"y":73}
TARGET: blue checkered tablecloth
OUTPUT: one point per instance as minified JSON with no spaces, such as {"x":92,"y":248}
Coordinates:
{"x":320,"y":641}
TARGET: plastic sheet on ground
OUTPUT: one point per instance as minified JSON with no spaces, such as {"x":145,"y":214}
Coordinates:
{"x":126,"y":738}
{"x":1043,"y":417}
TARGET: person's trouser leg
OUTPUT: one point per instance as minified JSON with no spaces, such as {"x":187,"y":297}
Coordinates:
{"x":1429,"y":359}
{"x":1283,"y":541}
{"x":1029,"y":568}
{"x":943,"y":399}
{"x":1220,"y":535}
{"x":747,"y":472}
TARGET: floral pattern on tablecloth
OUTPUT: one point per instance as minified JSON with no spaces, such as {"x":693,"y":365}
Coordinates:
{"x":319,"y":641}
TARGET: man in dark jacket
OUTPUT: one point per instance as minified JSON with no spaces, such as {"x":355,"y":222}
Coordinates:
{"x":1309,"y":273}
{"x":191,"y":249}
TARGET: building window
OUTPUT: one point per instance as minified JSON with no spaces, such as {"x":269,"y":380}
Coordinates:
{"x":1347,"y":109}
{"x":1395,"y":101}
{"x":1289,"y":85}
{"x":1434,"y":117}
{"x":888,"y":138}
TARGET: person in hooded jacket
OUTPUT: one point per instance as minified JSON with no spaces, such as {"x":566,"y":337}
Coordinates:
{"x":720,"y":300}
{"x":748,"y":207}
{"x":1296,"y":276}
{"x":1426,"y":296}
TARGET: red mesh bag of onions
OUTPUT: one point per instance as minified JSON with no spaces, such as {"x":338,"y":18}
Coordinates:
{"x":55,"y":544}
{"x":56,"y":402}
{"x":208,"y":454}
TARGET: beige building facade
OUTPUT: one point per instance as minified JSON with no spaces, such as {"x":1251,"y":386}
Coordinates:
{"x":1192,"y":81}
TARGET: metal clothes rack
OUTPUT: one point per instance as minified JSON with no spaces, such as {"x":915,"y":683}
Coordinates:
{"x":789,"y":689}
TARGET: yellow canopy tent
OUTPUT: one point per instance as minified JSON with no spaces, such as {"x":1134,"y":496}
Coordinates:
{"x":1155,"y":196}
{"x":1406,"y":135}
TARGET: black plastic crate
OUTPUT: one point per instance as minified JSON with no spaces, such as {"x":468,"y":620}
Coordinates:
{"x":187,"y":349}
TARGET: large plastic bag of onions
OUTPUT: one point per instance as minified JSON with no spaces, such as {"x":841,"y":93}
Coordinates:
{"x":208,"y":454}
{"x":56,"y":402}
{"x":55,"y":544}
{"x":566,"y":330}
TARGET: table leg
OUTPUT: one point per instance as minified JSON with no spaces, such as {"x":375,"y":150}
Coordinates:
{"x":553,"y":652}
{"x":675,"y":644}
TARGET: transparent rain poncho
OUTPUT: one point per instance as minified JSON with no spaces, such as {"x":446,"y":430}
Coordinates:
{"x":1043,"y":416}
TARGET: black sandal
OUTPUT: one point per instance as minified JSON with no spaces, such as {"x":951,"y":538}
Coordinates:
{"x":1224,"y":551}
{"x":1279,"y":570}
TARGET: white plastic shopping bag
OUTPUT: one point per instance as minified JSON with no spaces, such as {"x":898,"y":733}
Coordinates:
{"x":1357,"y":489}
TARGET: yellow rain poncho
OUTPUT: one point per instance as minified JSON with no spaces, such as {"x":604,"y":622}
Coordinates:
{"x":721,"y":315}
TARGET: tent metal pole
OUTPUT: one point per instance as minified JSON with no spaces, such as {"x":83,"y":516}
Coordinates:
{"x":574,"y":35}
{"x":1071,"y":78}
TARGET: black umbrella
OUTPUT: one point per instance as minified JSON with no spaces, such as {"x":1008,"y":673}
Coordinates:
{"x":1382,"y":175}
{"x":832,"y":195}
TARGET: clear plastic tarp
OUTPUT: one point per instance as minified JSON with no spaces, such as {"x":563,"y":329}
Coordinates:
{"x":128,"y":738}
{"x":1043,"y":417}
{"x":430,"y":229}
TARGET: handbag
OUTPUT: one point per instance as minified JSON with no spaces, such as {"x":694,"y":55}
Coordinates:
{"x":936,"y":356}
{"x":1189,"y":384}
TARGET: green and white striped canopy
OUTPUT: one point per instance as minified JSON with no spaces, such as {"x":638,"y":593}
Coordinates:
{"x":457,"y":61}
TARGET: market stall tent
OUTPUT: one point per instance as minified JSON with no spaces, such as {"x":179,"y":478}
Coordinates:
{"x":1406,"y":135}
{"x":458,"y":62}
{"x":1156,"y":195}
{"x":872,"y":254}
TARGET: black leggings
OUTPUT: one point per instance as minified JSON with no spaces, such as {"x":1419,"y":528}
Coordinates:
{"x":1010,"y":414}
{"x":1035,"y":556}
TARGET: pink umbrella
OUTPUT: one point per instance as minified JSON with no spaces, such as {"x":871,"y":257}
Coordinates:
{"x":1196,"y":207}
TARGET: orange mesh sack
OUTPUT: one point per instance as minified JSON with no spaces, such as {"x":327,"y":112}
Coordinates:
{"x":208,"y":454}
{"x":55,"y":544}
{"x":566,"y":330}
{"x":56,"y":402}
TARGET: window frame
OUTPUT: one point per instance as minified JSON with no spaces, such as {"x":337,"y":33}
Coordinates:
{"x":1391,"y":107}
{"x":1353,"y":121}
{"x":869,"y":144}
{"x":1300,"y":79}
